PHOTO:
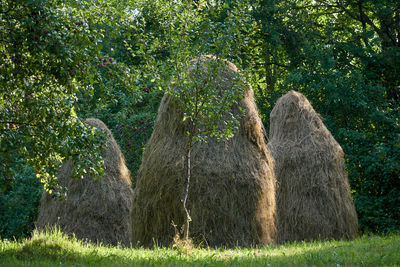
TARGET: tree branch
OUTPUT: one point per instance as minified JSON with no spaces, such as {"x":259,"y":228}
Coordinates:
{"x":365,"y":17}
{"x":364,"y":26}
{"x":387,"y":31}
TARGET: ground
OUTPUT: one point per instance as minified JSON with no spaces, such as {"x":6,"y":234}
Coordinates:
{"x":55,"y":249}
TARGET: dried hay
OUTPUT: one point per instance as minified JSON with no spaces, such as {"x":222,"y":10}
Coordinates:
{"x":232,"y":191}
{"x":313,"y":195}
{"x":96,"y":210}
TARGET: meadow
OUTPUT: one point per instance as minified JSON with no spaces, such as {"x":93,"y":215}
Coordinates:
{"x":56,"y":249}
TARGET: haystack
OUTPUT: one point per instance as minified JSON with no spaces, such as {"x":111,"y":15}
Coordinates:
{"x":232,"y":191}
{"x":313,"y":195}
{"x":95,"y":210}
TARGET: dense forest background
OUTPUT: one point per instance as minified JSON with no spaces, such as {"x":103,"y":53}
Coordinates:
{"x":63,"y":61}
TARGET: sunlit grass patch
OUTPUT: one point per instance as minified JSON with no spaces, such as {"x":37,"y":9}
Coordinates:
{"x":57,"y":249}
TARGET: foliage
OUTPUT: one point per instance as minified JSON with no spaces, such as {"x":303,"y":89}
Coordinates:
{"x":343,"y":56}
{"x":133,"y":134}
{"x":52,"y":50}
{"x":126,"y":99}
{"x":19,"y":204}
{"x":57,"y":249}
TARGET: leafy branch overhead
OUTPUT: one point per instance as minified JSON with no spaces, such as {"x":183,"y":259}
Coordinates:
{"x":52,"y":52}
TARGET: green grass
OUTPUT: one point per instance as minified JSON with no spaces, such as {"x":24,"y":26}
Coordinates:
{"x":55,"y":249}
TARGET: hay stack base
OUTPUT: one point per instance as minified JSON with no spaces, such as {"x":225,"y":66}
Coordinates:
{"x":95,"y":210}
{"x":232,"y":191}
{"x":313,"y":195}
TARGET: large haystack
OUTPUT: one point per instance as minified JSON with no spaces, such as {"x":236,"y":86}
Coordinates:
{"x":96,"y":210}
{"x":232,"y":191}
{"x":313,"y":196}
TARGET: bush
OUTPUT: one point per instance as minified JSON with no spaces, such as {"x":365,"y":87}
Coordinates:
{"x":19,"y":204}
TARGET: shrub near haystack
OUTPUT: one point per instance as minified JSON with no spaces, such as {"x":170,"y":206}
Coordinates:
{"x":313,"y":196}
{"x":97,"y":210}
{"x":232,"y":189}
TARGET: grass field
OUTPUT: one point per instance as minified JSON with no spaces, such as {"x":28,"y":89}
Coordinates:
{"x":55,"y":249}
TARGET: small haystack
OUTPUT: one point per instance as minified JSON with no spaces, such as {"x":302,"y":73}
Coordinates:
{"x":232,"y":191}
{"x":313,"y":196}
{"x":97,"y":210}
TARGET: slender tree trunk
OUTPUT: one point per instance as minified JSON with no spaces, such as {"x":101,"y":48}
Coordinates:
{"x":188,"y":219}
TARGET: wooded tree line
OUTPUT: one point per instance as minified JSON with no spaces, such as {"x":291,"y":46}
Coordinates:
{"x":63,"y":61}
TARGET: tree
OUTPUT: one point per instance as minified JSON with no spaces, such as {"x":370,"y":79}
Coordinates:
{"x":51,"y":51}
